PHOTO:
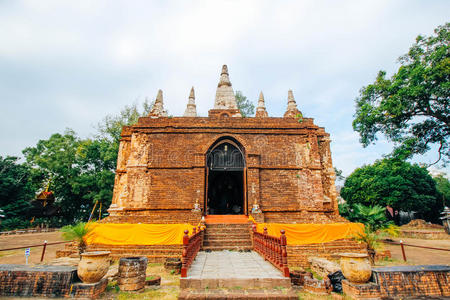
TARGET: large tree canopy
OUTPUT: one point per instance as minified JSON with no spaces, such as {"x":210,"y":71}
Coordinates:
{"x":397,"y":183}
{"x":412,"y":107}
{"x":82,"y":170}
{"x":16,"y":191}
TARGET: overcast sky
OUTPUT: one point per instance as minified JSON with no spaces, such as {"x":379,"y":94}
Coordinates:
{"x":67,"y":64}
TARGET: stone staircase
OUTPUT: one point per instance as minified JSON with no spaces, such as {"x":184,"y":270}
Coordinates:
{"x":233,"y":235}
{"x":234,"y":275}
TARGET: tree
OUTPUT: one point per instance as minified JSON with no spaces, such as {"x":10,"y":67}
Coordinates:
{"x":81,"y":171}
{"x":16,"y":190}
{"x":56,"y":159}
{"x":111,"y":126}
{"x":397,"y":183}
{"x":244,"y":105}
{"x":443,"y":187}
{"x":339,"y":175}
{"x":412,"y":107}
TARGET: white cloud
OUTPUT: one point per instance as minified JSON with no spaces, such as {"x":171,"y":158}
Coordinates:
{"x":80,"y":60}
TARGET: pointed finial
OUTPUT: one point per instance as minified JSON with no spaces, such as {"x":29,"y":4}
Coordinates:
{"x":261,"y":109}
{"x":159,"y":96}
{"x":225,"y":98}
{"x":158,"y":106}
{"x":191,"y":108}
{"x":224,"y":79}
{"x":291,"y":96}
{"x":261,"y":99}
{"x":224,"y":70}
{"x":292,"y":110}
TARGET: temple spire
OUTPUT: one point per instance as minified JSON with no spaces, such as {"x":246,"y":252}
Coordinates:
{"x":225,"y":98}
{"x":261,"y":109}
{"x":158,"y":108}
{"x":292,"y":110}
{"x":191,"y":109}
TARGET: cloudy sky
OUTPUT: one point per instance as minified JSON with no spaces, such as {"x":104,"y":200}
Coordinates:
{"x":67,"y":64}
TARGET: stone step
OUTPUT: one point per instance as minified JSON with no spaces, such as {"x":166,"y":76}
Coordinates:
{"x":226,"y":225}
{"x":228,"y":243}
{"x":219,"y":235}
{"x":228,"y":219}
{"x":248,"y":283}
{"x":239,"y":293}
{"x":231,"y":248}
{"x":225,"y":230}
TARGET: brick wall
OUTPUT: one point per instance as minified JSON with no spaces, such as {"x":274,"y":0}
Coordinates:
{"x":403,"y":281}
{"x":298,"y":254}
{"x":46,"y":281}
{"x":161,"y":166}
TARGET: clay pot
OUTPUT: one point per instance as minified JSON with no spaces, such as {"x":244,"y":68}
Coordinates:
{"x":156,"y":280}
{"x":356,"y":267}
{"x":93,"y":266}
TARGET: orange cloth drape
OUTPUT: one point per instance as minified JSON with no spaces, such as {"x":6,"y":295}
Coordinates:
{"x":137,"y":234}
{"x":302,"y":234}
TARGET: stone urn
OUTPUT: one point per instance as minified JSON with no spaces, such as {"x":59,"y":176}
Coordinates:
{"x":356,"y":267}
{"x":93,"y":266}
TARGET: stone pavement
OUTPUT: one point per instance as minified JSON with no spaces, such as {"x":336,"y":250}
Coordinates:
{"x":228,"y":269}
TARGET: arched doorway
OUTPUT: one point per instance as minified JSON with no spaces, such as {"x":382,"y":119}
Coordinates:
{"x":225,"y":179}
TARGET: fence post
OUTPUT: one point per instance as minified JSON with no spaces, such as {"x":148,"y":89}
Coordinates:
{"x":43,"y":250}
{"x":403,"y":250}
{"x":266,"y":244}
{"x":185,"y":254}
{"x":283,"y":243}
{"x":254,"y":243}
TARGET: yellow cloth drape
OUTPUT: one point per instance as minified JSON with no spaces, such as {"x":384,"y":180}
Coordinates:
{"x":137,"y":234}
{"x":302,"y":234}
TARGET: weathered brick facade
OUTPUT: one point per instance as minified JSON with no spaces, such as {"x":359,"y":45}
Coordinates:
{"x":402,"y":281}
{"x":162,"y":165}
{"x":46,"y":281}
{"x":165,"y":170}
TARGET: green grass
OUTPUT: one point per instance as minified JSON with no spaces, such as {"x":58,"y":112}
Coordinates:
{"x":163,"y":294}
{"x":315,"y":275}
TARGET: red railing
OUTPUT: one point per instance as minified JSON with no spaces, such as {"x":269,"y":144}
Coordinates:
{"x":191,"y":246}
{"x":272,"y":248}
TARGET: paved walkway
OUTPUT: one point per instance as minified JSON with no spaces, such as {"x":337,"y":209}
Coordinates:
{"x":231,"y":264}
{"x":228,"y":269}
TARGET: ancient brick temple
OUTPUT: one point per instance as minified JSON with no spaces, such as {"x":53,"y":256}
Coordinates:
{"x":178,"y":169}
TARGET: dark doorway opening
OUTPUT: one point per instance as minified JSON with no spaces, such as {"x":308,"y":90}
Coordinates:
{"x":225,"y":179}
{"x":225,"y":193}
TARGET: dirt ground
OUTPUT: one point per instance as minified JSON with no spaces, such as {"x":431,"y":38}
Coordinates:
{"x":419,"y":256}
{"x":18,"y":256}
{"x":170,"y":283}
{"x":415,"y":256}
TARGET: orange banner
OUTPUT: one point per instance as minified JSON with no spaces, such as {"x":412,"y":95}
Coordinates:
{"x":137,"y":234}
{"x":303,"y":234}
